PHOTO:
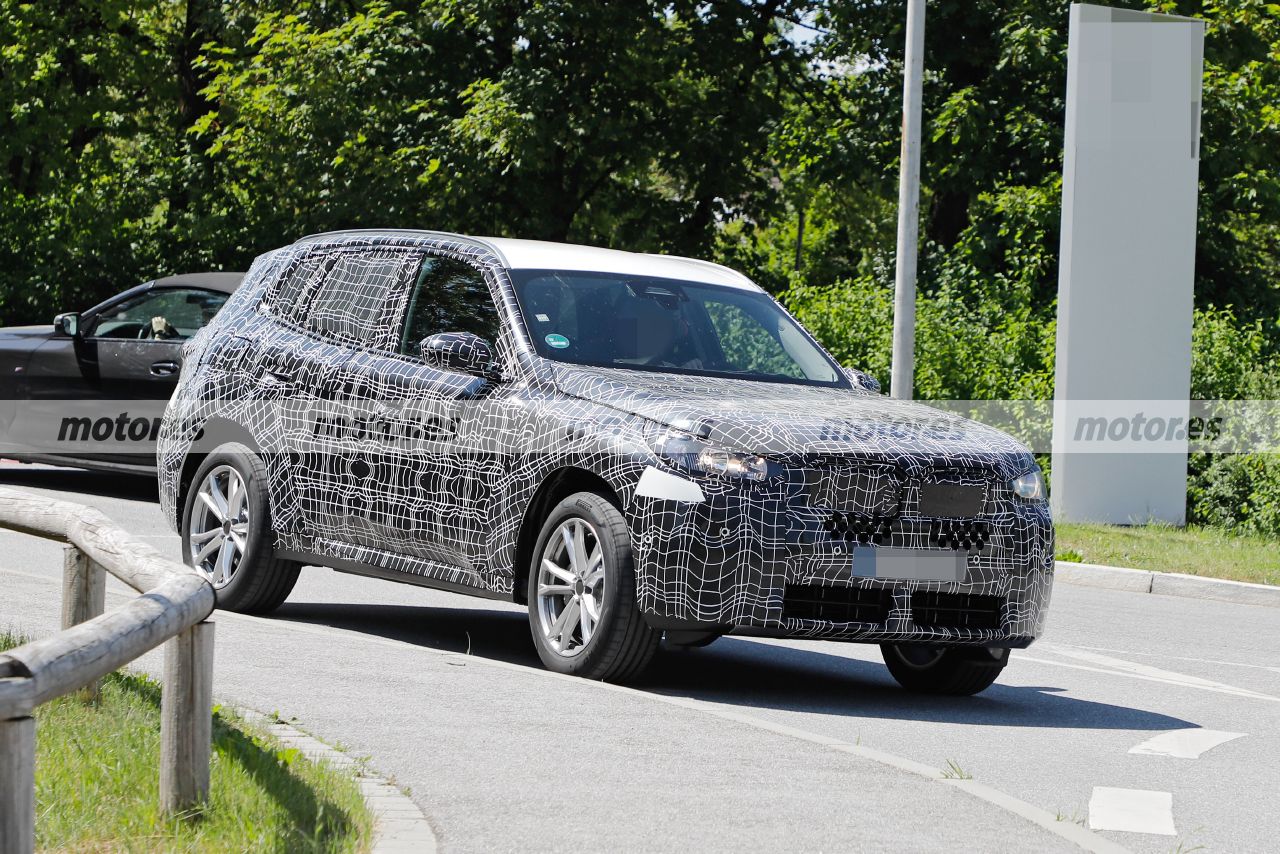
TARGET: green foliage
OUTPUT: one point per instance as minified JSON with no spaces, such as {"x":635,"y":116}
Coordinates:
{"x":1240,"y":492}
{"x":1233,"y":358}
{"x":961,"y":354}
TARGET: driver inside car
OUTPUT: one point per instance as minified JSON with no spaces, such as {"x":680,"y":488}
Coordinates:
{"x":162,"y":328}
{"x":660,"y":334}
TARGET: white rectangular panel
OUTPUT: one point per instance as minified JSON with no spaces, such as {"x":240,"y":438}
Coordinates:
{"x":1127,"y":254}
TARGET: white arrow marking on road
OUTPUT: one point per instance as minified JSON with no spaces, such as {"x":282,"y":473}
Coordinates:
{"x":1131,"y":810}
{"x":1185,"y":743}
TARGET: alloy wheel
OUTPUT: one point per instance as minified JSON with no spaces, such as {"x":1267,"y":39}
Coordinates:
{"x":571,"y":586}
{"x":219,"y":527}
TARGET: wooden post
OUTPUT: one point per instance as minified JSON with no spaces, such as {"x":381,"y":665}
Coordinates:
{"x":186,"y":720}
{"x":18,"y":785}
{"x":84,"y":594}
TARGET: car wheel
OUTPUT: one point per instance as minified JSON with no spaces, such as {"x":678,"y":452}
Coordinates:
{"x":942,"y":669}
{"x":226,"y":532}
{"x":582,"y":593}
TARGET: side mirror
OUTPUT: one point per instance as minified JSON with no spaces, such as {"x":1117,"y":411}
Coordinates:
{"x":68,"y":324}
{"x":460,"y":351}
{"x":862,"y":380}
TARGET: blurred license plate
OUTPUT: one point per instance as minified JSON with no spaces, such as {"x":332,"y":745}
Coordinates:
{"x":909,"y":564}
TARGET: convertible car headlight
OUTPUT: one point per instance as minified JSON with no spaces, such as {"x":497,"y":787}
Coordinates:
{"x":701,"y":457}
{"x":1029,"y":486}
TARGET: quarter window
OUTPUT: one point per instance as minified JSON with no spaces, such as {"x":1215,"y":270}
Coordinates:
{"x":288,"y":300}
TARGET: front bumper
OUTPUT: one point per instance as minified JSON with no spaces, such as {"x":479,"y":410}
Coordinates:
{"x":761,"y":559}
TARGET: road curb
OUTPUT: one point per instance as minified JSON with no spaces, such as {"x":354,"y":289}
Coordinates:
{"x":399,"y":825}
{"x":1167,"y":583}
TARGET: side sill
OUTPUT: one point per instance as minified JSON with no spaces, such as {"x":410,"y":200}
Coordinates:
{"x":355,"y":568}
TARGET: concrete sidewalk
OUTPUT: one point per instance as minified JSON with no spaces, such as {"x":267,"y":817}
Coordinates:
{"x":1167,"y":583}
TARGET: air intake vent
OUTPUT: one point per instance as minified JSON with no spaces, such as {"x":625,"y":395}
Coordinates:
{"x":839,"y":604}
{"x":955,"y":610}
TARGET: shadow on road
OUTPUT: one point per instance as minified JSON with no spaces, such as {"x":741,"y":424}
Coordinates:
{"x":767,"y":676}
{"x":742,"y":672}
{"x":131,"y":487}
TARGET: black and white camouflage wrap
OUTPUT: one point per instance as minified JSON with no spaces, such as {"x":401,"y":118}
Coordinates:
{"x":451,"y":507}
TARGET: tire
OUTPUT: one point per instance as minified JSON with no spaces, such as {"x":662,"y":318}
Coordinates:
{"x":617,"y":644}
{"x":955,"y":670}
{"x":252,"y":580}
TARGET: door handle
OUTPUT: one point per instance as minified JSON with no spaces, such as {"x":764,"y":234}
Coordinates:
{"x":276,"y":376}
{"x":164,"y":369}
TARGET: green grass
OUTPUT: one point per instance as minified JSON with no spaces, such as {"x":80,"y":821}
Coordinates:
{"x":97,"y":782}
{"x":1193,"y":550}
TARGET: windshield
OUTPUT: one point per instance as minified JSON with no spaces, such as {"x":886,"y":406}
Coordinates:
{"x":617,"y":321}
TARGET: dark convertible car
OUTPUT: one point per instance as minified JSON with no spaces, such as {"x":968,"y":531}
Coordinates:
{"x":89,"y":390}
{"x":630,"y":445}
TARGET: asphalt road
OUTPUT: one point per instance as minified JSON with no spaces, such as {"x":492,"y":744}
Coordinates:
{"x":747,"y":744}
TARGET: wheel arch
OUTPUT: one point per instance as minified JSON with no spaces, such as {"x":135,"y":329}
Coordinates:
{"x":556,"y":487}
{"x":215,"y":433}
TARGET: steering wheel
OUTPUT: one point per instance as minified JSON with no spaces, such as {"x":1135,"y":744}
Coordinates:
{"x":166,"y":330}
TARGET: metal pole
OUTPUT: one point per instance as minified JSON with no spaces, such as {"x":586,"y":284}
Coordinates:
{"x":904,"y":298}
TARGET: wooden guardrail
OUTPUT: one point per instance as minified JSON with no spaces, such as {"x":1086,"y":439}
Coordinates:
{"x":173,"y":606}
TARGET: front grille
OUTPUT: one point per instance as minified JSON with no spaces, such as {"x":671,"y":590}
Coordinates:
{"x":838,"y":604}
{"x":930,"y":609}
{"x":864,"y":530}
{"x":968,"y":535}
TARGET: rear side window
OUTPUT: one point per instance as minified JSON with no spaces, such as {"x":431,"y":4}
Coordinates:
{"x":448,"y":296}
{"x":350,"y":295}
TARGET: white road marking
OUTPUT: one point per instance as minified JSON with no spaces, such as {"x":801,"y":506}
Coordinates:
{"x":1185,"y":743}
{"x":1067,"y":830}
{"x":1120,"y":667}
{"x":1132,"y":811}
{"x":1182,"y":658}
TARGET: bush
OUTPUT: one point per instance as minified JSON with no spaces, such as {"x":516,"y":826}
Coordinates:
{"x":961,"y":353}
{"x":1231,"y":360}
{"x":1240,"y":492}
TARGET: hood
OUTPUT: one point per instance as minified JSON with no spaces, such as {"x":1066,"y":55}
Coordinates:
{"x":12,"y":332}
{"x":787,"y":421}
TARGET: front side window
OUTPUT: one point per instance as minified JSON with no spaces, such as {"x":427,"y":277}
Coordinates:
{"x":611,"y":320}
{"x":449,"y":296}
{"x":167,"y":314}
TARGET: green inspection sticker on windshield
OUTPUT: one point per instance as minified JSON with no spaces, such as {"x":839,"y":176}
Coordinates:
{"x":557,"y":341}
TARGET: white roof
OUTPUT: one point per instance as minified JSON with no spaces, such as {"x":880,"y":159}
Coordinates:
{"x":542,"y":255}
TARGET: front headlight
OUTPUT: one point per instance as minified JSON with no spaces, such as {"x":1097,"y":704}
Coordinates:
{"x":1029,"y":486}
{"x":695,"y":455}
